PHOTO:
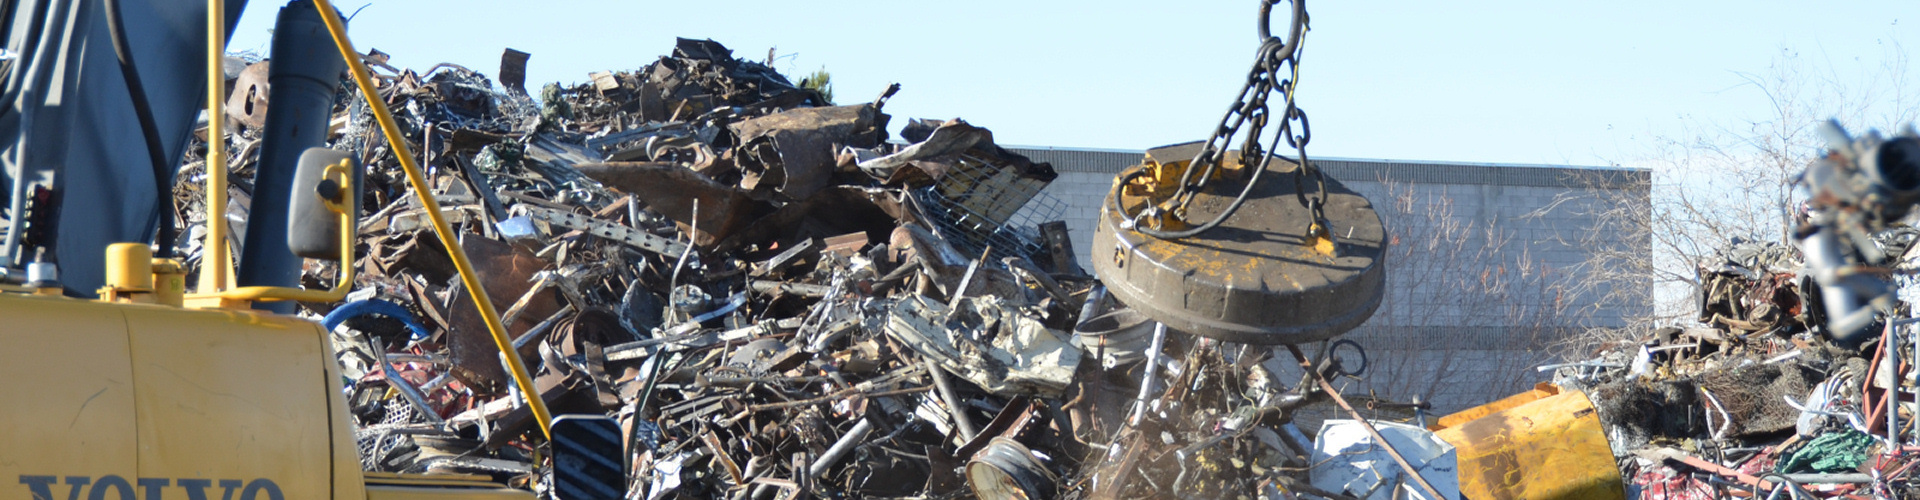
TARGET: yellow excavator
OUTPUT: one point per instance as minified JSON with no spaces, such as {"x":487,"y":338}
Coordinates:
{"x":123,"y":383}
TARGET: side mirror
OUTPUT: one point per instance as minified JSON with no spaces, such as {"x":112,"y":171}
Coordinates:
{"x":326,"y":181}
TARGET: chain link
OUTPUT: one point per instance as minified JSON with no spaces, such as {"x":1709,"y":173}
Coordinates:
{"x":1276,"y":58}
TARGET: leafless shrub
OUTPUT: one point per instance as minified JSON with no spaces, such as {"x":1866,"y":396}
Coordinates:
{"x":1718,"y":181}
{"x":1469,"y":308}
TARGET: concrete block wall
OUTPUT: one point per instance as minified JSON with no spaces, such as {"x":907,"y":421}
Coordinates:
{"x":1439,"y":334}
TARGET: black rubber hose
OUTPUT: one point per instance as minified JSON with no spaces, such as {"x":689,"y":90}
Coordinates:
{"x":162,"y":169}
{"x":1114,"y":200}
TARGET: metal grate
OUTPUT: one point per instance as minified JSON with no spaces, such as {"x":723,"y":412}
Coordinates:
{"x":1011,"y":229}
{"x":376,"y":441}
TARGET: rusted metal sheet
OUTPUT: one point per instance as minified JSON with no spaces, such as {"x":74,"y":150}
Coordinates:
{"x":796,"y":148}
{"x":507,"y":272}
{"x":247,"y":103}
{"x":513,"y":70}
{"x":674,"y":191}
{"x":1552,"y":448}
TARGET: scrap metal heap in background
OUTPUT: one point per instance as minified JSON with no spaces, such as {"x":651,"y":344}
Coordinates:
{"x":771,"y":298}
{"x":1800,"y":379}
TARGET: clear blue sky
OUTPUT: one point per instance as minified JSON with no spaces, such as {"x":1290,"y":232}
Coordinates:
{"x":1500,"y":81}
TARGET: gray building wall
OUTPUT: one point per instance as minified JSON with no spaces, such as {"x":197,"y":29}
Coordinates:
{"x":1478,"y":253}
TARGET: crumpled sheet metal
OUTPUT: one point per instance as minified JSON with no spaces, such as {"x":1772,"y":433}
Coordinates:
{"x":674,"y":191}
{"x":1755,"y":287}
{"x":836,"y":210}
{"x":1348,"y":459}
{"x":950,"y":139}
{"x":247,"y":103}
{"x":803,"y":142}
{"x":987,"y":342}
{"x":911,"y":242}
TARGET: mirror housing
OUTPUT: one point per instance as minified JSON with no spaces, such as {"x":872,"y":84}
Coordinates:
{"x":313,"y":227}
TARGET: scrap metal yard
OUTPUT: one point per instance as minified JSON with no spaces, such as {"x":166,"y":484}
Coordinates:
{"x":700,"y":277}
{"x":773,"y":297}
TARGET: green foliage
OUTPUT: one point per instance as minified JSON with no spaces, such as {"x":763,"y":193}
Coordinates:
{"x":819,"y":81}
{"x":552,"y":105}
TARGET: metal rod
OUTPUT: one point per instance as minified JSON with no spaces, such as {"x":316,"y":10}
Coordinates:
{"x":1335,"y":394}
{"x":693,"y":228}
{"x":543,"y":326}
{"x":853,"y":437}
{"x":1783,"y":357}
{"x":1893,"y":385}
{"x":406,"y":388}
{"x":1146,"y":381}
{"x":1556,"y":366}
{"x":418,"y":180}
{"x":966,"y":280}
{"x":216,"y":264}
{"x":1854,"y":478}
{"x":960,"y":420}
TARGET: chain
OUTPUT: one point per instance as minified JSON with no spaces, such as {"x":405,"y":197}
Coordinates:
{"x":1276,"y":69}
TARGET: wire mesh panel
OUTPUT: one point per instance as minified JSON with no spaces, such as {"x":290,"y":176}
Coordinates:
{"x":1011,"y":229}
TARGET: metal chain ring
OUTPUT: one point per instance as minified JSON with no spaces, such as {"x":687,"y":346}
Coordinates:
{"x":1263,"y":80}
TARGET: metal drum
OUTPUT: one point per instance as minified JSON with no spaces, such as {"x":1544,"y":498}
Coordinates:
{"x":1118,"y":337}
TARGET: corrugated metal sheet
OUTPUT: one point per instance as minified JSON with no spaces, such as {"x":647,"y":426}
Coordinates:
{"x":1360,"y":170}
{"x":1082,"y":160}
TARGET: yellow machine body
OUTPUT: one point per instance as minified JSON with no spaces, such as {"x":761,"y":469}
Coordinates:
{"x":145,"y":401}
{"x":1540,"y":391}
{"x":1541,"y":444}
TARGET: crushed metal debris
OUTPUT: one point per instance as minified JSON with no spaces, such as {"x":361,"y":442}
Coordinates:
{"x":768,"y":295}
{"x":771,"y":298}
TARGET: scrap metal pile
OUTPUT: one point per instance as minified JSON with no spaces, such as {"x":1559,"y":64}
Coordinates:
{"x":1765,"y":398}
{"x":770,"y":298}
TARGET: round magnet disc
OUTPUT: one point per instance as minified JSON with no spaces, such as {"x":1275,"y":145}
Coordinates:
{"x":1258,"y":278}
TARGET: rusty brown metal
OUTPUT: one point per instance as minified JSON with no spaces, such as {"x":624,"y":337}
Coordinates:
{"x":507,"y":272}
{"x":794,"y":351}
{"x":247,"y":102}
{"x":796,"y":146}
{"x":673,"y":190}
{"x":513,"y":70}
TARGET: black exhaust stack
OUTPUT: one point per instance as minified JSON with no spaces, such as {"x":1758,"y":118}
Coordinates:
{"x":302,"y":80}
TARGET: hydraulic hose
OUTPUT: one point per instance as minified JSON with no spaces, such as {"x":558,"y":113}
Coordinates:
{"x":164,"y":234}
{"x":374,"y":307}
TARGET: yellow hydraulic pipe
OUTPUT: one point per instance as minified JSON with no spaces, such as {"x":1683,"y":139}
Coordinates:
{"x":440,"y":228}
{"x":216,"y":264}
